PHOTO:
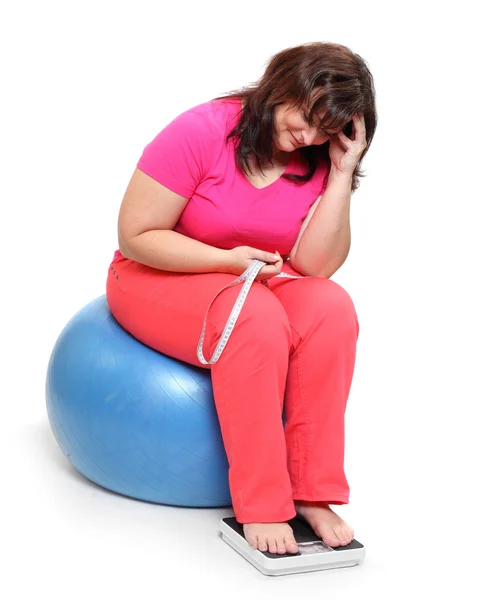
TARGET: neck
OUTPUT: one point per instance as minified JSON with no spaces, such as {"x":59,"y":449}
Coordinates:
{"x":281,"y":156}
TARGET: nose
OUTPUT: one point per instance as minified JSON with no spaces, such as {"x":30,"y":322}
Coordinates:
{"x":309,"y":135}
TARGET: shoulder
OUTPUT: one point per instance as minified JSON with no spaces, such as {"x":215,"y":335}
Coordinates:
{"x":215,"y":110}
{"x":212,"y":118}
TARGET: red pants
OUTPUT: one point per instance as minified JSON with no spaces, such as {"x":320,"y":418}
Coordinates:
{"x":294,"y":343}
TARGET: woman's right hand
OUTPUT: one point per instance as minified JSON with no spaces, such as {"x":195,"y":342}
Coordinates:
{"x":241,"y":257}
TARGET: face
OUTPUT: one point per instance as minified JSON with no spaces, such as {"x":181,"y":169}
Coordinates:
{"x":293,"y":131}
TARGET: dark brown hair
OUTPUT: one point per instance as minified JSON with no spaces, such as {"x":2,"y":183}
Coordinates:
{"x":316,"y":74}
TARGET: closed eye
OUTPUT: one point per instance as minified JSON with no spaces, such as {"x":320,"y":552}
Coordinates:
{"x":305,"y":117}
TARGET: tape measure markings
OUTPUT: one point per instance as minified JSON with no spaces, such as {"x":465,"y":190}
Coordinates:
{"x":248,"y":277}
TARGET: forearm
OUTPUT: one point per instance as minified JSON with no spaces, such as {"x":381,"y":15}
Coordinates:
{"x":172,"y":251}
{"x":326,"y":240}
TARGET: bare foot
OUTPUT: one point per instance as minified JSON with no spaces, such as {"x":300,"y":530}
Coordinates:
{"x":325,"y":523}
{"x":277,"y":538}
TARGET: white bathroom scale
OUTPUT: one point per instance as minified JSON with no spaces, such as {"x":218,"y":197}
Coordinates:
{"x":313,"y":554}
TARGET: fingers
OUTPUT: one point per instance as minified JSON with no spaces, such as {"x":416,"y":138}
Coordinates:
{"x":359,"y":125}
{"x":269,"y":271}
{"x":267,"y":257}
{"x":358,"y":133}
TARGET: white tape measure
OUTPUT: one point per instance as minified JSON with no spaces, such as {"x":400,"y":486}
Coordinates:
{"x":248,"y":277}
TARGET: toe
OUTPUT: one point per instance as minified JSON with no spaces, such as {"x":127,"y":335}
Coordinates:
{"x":331,"y":539}
{"x":345,"y":536}
{"x":349,"y":531}
{"x":280,"y":546}
{"x":262,"y":545}
{"x":272,"y":545}
{"x":338,"y":533}
{"x":291,"y":545}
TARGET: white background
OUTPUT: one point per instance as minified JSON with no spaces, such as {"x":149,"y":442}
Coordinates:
{"x":85,"y":86}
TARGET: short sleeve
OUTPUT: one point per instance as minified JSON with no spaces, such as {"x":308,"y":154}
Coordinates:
{"x":178,"y":157}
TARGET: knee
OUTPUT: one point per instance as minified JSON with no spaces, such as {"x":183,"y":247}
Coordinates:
{"x":328,"y":299}
{"x":264,"y":313}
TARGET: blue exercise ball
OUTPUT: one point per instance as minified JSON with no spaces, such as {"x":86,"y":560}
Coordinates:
{"x":133,"y":420}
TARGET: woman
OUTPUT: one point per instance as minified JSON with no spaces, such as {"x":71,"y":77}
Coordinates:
{"x":262,"y":173}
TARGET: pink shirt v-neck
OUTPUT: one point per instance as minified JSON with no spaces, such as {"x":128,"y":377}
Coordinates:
{"x":191,"y":157}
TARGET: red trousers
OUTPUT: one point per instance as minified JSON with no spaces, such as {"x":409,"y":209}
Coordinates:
{"x":293,"y":346}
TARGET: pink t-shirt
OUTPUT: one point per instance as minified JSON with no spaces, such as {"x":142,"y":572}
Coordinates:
{"x":191,"y":157}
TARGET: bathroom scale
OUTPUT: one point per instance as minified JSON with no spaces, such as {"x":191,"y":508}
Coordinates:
{"x":313,"y":554}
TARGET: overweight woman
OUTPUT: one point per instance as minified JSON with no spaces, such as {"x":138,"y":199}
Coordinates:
{"x":266,"y":173}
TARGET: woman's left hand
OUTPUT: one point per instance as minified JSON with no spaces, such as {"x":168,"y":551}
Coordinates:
{"x":344,"y":152}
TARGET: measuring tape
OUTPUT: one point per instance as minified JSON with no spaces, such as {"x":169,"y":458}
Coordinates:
{"x":248,"y":277}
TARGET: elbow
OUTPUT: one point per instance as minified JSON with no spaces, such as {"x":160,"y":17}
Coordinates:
{"x":309,"y":270}
{"x":304,"y":270}
{"x":123,"y":246}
